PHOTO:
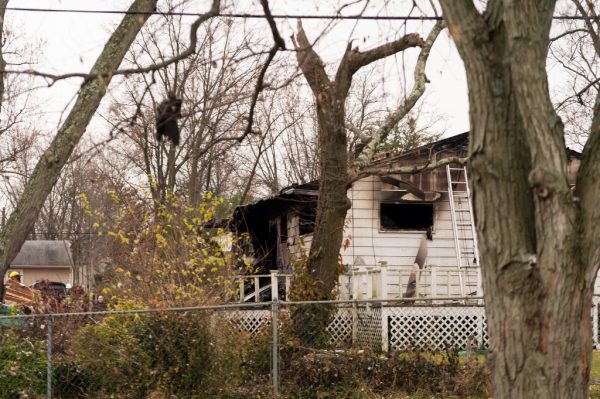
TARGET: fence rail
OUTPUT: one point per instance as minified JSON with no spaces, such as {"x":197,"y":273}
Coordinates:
{"x":390,"y":325}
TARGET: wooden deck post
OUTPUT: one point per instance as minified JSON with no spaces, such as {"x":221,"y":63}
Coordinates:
{"x":256,"y":289}
{"x":241,"y":289}
{"x":288,"y":283}
{"x":274,"y":285}
{"x":369,"y":277}
{"x":354,"y":282}
{"x":384,"y":278}
{"x":433,"y":281}
{"x":385,"y":339}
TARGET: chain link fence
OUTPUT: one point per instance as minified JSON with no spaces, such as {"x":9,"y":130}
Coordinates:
{"x":248,"y":349}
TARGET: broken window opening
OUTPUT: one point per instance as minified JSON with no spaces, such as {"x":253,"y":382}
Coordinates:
{"x":406,"y":215}
{"x":306,"y":226}
{"x":282,"y":229}
{"x":306,"y":222}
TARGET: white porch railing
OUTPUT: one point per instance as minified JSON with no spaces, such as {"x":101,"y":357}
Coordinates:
{"x":391,"y":282}
{"x":250,"y":287}
{"x":371,"y":282}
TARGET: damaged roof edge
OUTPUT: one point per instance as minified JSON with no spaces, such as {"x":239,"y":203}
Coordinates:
{"x":305,"y":189}
{"x":455,"y":141}
{"x":311,"y":189}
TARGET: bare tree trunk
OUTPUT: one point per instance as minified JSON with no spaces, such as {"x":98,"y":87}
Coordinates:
{"x":335,"y":178}
{"x":3,"y":4}
{"x":538,"y":242}
{"x":333,"y":202}
{"x":55,"y":157}
{"x":171,"y":170}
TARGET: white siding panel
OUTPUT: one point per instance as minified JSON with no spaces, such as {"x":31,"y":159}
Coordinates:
{"x":435,"y":252}
{"x":366,"y":213}
{"x":366,"y":222}
{"x":395,"y":241}
{"x":361,"y":204}
{"x":409,"y":260}
{"x":364,"y":192}
{"x":443,"y":234}
{"x":386,"y":251}
{"x":361,"y":232}
{"x":442,"y":261}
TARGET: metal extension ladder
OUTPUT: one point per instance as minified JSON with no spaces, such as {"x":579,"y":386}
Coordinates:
{"x":463,"y":223}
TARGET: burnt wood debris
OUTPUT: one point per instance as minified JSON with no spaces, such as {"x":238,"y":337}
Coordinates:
{"x":167,"y":113}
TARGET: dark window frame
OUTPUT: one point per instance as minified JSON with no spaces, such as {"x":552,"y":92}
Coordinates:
{"x":388,"y":223}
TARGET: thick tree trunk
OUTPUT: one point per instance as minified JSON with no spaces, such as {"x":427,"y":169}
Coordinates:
{"x":55,"y":157}
{"x":333,"y":202}
{"x":330,"y":95}
{"x":3,"y":4}
{"x":537,"y":285}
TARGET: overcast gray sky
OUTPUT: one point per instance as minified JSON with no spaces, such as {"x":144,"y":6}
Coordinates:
{"x":72,"y":42}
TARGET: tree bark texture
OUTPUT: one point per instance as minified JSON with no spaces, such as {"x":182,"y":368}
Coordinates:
{"x":330,"y":96}
{"x":538,"y":239}
{"x":333,"y":203}
{"x":3,"y":4}
{"x":48,"y":168}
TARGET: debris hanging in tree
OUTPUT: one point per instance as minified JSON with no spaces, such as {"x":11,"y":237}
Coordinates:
{"x":167,"y":113}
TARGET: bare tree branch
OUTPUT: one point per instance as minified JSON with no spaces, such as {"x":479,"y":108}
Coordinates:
{"x":567,"y":33}
{"x":353,"y":59}
{"x":356,"y":59}
{"x":590,"y":28}
{"x":579,"y":93}
{"x":357,"y":132}
{"x":52,"y":161}
{"x":407,"y":170}
{"x":311,"y":64}
{"x":3,"y":4}
{"x":278,"y":45}
{"x":53,"y":78}
{"x":418,"y":89}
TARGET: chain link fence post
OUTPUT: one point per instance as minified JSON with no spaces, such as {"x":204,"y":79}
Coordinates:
{"x":354,"y":323}
{"x":275,"y":348}
{"x":595,"y":309}
{"x":49,"y":358}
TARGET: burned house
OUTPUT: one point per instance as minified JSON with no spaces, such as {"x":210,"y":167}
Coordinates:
{"x":409,"y":235}
{"x":274,"y":225}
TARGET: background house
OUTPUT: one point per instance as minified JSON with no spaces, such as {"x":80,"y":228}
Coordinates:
{"x":44,"y":260}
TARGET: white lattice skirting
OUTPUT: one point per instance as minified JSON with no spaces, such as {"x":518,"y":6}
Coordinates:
{"x":435,"y":328}
{"x":403,"y":328}
{"x":252,"y":321}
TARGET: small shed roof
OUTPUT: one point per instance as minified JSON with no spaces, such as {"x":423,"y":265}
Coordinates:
{"x":55,"y":253}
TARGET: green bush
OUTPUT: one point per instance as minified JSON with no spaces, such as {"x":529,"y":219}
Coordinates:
{"x":183,"y":355}
{"x":110,"y":353}
{"x":315,"y":374}
{"x":72,"y":381}
{"x":22,"y":365}
{"x":181,"y":350}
